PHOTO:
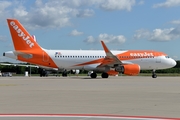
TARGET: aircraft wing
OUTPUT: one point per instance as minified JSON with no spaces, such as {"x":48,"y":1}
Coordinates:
{"x":110,"y":59}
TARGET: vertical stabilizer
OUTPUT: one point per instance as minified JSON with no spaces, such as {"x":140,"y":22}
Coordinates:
{"x":21,"y":38}
{"x":26,"y":48}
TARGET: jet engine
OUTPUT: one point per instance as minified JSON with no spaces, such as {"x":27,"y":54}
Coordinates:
{"x":128,"y":69}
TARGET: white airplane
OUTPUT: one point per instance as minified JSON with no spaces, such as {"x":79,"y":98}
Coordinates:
{"x":128,"y":62}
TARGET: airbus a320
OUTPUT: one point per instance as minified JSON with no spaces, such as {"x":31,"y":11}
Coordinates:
{"x":128,"y":62}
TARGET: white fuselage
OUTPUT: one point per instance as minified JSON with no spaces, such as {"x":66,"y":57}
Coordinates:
{"x":69,"y":58}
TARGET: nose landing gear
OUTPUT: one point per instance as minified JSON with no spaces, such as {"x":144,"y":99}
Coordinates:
{"x":154,"y":74}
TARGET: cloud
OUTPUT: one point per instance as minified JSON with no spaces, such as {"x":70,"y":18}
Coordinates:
{"x":141,"y":34}
{"x":120,"y":39}
{"x":90,"y":40}
{"x":107,"y":5}
{"x":3,"y":38}
{"x":85,"y":13}
{"x":4,"y":5}
{"x":110,"y":5}
{"x":161,"y":35}
{"x":4,"y":11}
{"x":46,"y":15}
{"x":168,"y":3}
{"x":57,"y":13}
{"x":175,"y":32}
{"x":76,"y":33}
{"x":50,"y":14}
{"x":141,"y":2}
{"x":177,"y":22}
{"x":158,"y":34}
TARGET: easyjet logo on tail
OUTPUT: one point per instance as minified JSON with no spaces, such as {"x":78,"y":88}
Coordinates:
{"x":21,"y":34}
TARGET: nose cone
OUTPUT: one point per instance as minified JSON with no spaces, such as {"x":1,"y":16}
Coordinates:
{"x":173,"y":63}
{"x":167,"y":63}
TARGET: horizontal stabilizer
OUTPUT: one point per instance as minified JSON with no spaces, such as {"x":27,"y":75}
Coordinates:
{"x":23,"y":54}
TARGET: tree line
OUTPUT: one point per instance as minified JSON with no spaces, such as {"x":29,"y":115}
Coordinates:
{"x":18,"y":69}
{"x":21,"y":69}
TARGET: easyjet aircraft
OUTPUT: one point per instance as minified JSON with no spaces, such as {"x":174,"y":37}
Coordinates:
{"x":128,"y":62}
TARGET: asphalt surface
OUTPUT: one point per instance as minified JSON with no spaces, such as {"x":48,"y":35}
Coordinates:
{"x":123,"y":95}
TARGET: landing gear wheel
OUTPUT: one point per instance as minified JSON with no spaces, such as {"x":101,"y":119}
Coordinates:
{"x":64,"y":73}
{"x":154,"y":76}
{"x":104,"y":75}
{"x":93,"y":75}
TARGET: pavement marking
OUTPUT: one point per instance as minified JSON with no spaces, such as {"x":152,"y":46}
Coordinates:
{"x":92,"y":116}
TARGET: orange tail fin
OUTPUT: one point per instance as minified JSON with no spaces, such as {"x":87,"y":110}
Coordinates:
{"x":21,"y":38}
{"x":26,"y":48}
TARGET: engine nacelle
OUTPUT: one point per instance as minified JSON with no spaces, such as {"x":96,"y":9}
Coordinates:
{"x":129,"y":69}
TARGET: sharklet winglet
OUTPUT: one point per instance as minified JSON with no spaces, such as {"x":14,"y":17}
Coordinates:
{"x":109,"y":53}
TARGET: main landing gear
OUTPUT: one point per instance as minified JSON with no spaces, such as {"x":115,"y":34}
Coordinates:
{"x":154,"y":74}
{"x":93,"y":75}
{"x":64,"y":73}
{"x":103,"y":75}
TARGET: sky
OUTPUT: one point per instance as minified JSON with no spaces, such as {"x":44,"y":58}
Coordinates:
{"x":81,"y":24}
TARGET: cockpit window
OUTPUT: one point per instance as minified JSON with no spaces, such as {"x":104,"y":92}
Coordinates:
{"x":167,"y":56}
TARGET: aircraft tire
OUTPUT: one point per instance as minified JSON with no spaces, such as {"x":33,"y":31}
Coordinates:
{"x":93,"y":75}
{"x":104,"y":75}
{"x":154,"y":76}
{"x":64,"y":74}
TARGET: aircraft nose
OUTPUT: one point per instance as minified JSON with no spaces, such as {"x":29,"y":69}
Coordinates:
{"x":173,"y":63}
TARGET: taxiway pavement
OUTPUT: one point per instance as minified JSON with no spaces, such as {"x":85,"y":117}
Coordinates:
{"x":123,"y":95}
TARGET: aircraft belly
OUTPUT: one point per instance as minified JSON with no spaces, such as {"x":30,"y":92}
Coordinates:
{"x":145,"y":64}
{"x":69,"y":64}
